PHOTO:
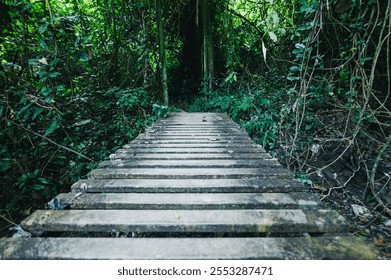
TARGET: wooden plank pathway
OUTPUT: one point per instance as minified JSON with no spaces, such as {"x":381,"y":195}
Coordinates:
{"x":193,"y":186}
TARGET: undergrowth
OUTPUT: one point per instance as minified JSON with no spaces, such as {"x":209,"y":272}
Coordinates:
{"x":48,"y":146}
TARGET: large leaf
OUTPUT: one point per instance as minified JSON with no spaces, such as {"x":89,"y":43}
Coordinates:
{"x":43,"y":45}
{"x":53,"y":126}
{"x":43,"y":28}
{"x":272,"y":36}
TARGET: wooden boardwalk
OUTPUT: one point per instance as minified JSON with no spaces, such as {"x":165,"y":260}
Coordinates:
{"x":193,"y":186}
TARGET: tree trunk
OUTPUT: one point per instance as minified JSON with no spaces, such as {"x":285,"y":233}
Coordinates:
{"x":162,"y":54}
{"x":208,"y":63}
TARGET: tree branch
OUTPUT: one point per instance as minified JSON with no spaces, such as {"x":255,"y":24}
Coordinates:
{"x":49,"y":140}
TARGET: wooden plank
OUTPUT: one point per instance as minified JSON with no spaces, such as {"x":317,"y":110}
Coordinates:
{"x":238,"y":221}
{"x":202,"y":201}
{"x":196,"y":129}
{"x":194,"y":141}
{"x":201,"y":131}
{"x":183,"y":173}
{"x":189,"y":185}
{"x":171,"y":163}
{"x":190,"y":146}
{"x":194,"y":133}
{"x":315,"y":248}
{"x":196,"y":126}
{"x":194,"y":137}
{"x":189,"y":156}
{"x":201,"y":128}
{"x":146,"y":150}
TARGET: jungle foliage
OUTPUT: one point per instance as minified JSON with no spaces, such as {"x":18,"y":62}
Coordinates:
{"x":309,"y":80}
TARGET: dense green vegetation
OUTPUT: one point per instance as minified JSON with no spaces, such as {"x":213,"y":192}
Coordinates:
{"x":310,"y":80}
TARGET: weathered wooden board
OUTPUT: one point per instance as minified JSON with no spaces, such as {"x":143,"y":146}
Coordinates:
{"x":194,"y":137}
{"x":189,"y":185}
{"x":335,"y":248}
{"x":191,"y":156}
{"x":191,"y":173}
{"x":194,"y":141}
{"x":147,"y":150}
{"x":207,"y":201}
{"x":250,"y":221}
{"x":190,"y":146}
{"x":172,"y":163}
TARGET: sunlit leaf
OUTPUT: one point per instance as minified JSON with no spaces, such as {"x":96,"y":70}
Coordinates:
{"x":264,"y":50}
{"x":83,"y":122}
{"x":272,"y":36}
{"x":275,"y":18}
{"x":43,"y":61}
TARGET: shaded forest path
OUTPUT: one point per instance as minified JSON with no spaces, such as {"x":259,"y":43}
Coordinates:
{"x":193,"y":186}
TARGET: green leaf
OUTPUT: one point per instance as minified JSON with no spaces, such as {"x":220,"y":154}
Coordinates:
{"x":292,"y":78}
{"x":275,"y":18}
{"x":53,"y":126}
{"x":26,"y":7}
{"x":83,"y":56}
{"x":43,"y":28}
{"x":54,"y":74}
{"x":43,"y":45}
{"x":54,"y":61}
{"x":245,"y":105}
{"x":37,"y":111}
{"x":295,"y":69}
{"x":5,"y":164}
{"x":264,"y":101}
{"x":33,"y":62}
{"x":43,"y":181}
{"x":231,"y":78}
{"x":365,"y":59}
{"x":343,"y":75}
{"x":38,"y":187}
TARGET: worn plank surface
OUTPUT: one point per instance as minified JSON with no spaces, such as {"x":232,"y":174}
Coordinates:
{"x":189,"y":185}
{"x":191,"y":174}
{"x":338,"y":247}
{"x":190,"y":200}
{"x":236,"y":221}
{"x":184,"y":156}
{"x":171,"y":163}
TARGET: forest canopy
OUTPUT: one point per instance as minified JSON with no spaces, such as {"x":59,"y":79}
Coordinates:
{"x":309,"y":80}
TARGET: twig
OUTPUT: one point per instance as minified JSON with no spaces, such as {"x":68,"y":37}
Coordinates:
{"x":49,"y":140}
{"x":373,"y":174}
{"x":11,"y":222}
